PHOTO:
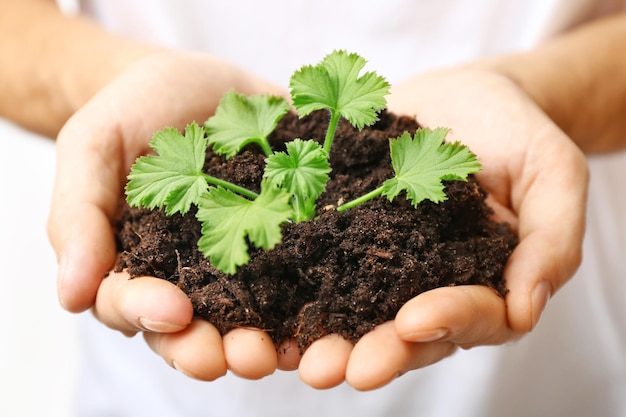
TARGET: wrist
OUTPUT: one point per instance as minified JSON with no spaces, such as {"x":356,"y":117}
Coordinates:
{"x":58,"y":62}
{"x":577,"y":79}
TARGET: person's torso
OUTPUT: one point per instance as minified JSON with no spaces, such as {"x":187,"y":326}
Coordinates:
{"x":399,"y":38}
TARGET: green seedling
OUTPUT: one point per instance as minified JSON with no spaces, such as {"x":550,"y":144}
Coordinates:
{"x":232,"y":216}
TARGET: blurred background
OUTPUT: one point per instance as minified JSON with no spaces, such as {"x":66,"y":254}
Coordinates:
{"x":39,"y":350}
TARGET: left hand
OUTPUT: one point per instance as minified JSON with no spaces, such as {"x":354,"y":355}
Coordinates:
{"x":537,"y":181}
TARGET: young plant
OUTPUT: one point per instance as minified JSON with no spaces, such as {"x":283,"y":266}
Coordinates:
{"x":240,"y":120}
{"x":334,"y":84}
{"x":293,"y":180}
{"x":173,"y":179}
{"x":303,"y":171}
{"x":420,"y":164}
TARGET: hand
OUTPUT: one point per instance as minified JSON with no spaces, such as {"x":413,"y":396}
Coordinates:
{"x":95,"y":150}
{"x":537,"y":181}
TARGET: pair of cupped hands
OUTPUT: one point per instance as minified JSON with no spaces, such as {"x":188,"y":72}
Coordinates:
{"x":536,"y":179}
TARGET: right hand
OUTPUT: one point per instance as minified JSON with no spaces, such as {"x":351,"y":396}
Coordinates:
{"x":95,"y":150}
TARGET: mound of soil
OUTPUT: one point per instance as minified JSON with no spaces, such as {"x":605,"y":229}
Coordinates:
{"x":341,"y":273}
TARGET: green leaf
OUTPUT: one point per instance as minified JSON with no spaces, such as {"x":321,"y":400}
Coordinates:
{"x":227,"y":219}
{"x":240,"y":120}
{"x":422,"y":162}
{"x":335,"y":84}
{"x":173,"y":178}
{"x":302,"y":170}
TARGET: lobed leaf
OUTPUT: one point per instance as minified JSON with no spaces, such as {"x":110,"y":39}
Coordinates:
{"x":302,"y":170}
{"x":335,"y":84}
{"x":422,"y":162}
{"x":228,"y":219}
{"x":173,"y":178}
{"x":240,"y":120}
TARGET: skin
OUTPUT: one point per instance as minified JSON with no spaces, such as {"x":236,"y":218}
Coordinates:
{"x":529,"y":121}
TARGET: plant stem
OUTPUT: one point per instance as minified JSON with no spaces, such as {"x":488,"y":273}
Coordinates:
{"x":230,"y":186}
{"x":304,"y":209}
{"x":357,"y":201}
{"x":265,"y":146}
{"x":299,"y":215}
{"x":330,"y":133}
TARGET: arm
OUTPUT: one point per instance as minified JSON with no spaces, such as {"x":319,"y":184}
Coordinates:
{"x":578,"y":79}
{"x":57,"y":62}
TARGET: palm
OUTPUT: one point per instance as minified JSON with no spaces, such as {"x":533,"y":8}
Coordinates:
{"x":536,"y":180}
{"x":527,"y":160}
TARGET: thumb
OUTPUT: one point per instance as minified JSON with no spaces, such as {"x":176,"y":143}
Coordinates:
{"x":85,"y":198}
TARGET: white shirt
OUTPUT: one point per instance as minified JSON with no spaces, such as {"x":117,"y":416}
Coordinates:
{"x":272,"y":38}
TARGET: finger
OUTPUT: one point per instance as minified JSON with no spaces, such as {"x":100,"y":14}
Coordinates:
{"x":551,"y":205}
{"x":324,"y":363}
{"x":85,"y":199}
{"x":466,"y":315}
{"x":196,"y":351}
{"x":250,"y":353}
{"x":381,"y":356}
{"x":288,"y":355}
{"x":142,"y":304}
{"x":83,"y":261}
{"x":95,"y":149}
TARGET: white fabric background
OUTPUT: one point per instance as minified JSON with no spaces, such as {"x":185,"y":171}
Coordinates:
{"x":39,"y":341}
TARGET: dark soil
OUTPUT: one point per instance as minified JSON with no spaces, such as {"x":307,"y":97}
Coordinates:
{"x":342,"y":273}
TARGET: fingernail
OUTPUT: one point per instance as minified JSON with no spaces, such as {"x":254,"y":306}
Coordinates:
{"x":540,"y":297}
{"x":159,"y":326}
{"x":427,"y":336}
